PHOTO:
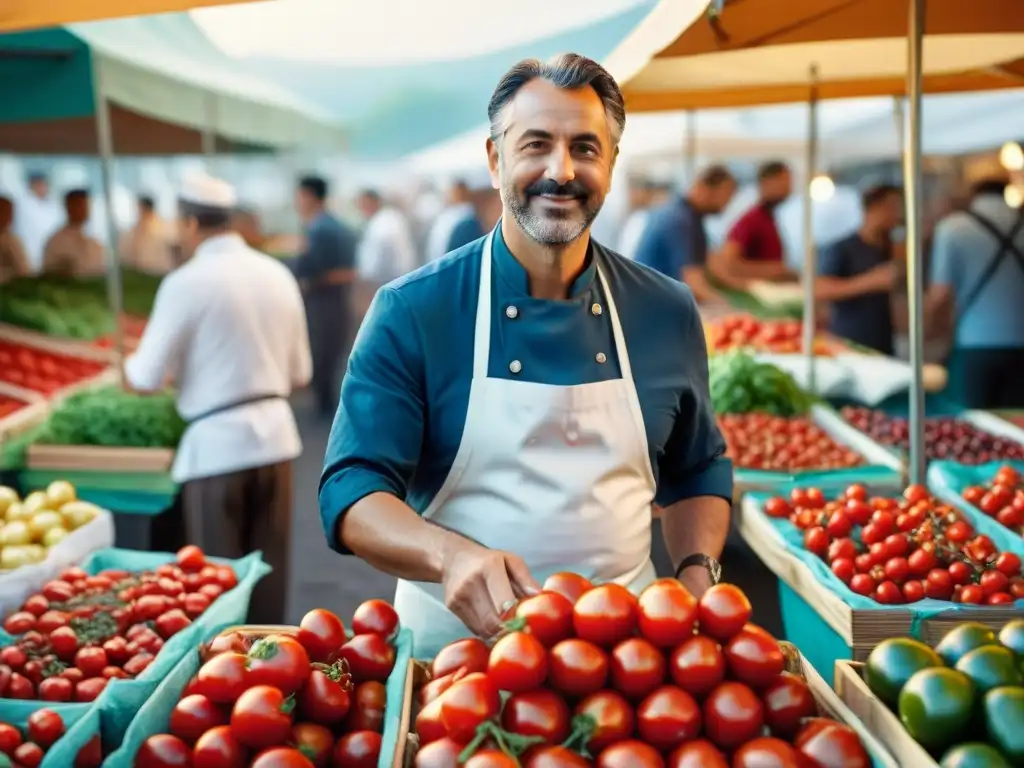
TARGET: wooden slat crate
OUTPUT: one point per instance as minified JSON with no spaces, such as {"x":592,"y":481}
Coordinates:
{"x":99,"y":458}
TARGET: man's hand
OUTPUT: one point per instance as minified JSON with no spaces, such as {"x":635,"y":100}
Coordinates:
{"x":696,"y":579}
{"x":481,"y":584}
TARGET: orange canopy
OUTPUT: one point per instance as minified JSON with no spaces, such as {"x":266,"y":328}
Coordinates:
{"x":685,"y":55}
{"x":17,"y":15}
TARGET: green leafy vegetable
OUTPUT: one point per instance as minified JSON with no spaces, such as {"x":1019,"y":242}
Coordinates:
{"x":741,"y":384}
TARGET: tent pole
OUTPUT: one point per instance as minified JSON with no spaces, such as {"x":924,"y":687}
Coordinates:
{"x":913,"y":181}
{"x":810,"y":253}
{"x":691,"y":146}
{"x":105,"y":145}
{"x":899,"y":116}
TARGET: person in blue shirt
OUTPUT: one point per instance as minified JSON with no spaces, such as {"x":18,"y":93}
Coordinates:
{"x":326,"y":271}
{"x":518,"y":407}
{"x":456,"y":225}
{"x":978,"y":268}
{"x":675,"y":242}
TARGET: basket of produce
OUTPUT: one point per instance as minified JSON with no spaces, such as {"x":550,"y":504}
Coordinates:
{"x":995,"y":489}
{"x":871,"y":567}
{"x":44,"y":366}
{"x":974,"y":437}
{"x":775,"y":433}
{"x":104,"y":430}
{"x":777,"y":336}
{"x":270,"y":697}
{"x":593,"y":676}
{"x":111,"y":629}
{"x":1013,"y":417}
{"x":43,"y":534}
{"x":52,"y":736}
{"x":960,"y":705}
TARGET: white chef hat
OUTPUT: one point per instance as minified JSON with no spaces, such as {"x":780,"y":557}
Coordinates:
{"x":201,"y":190}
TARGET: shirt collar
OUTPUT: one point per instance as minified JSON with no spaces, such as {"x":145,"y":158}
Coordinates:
{"x":225,"y":243}
{"x":512,"y":273}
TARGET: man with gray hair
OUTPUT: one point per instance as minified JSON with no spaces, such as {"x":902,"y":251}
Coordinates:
{"x":518,"y":408}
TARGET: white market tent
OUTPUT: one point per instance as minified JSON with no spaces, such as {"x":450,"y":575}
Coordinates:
{"x":17,"y":15}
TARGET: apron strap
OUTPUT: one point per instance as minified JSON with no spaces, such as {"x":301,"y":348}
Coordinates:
{"x":613,"y":315}
{"x":1006,"y":248}
{"x":482,"y":334}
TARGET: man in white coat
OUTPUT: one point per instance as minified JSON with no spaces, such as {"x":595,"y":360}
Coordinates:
{"x":228,"y":330}
{"x":38,"y":217}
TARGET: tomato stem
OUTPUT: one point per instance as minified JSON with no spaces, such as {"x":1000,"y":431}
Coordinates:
{"x":583,"y":727}
{"x":288,"y":705}
{"x":263,"y":649}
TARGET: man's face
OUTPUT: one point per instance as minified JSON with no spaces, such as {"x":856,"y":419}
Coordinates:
{"x":778,"y":188}
{"x":78,"y":209}
{"x":719,"y":197}
{"x":555,"y":162}
{"x":889,"y":212}
{"x":188,"y":236}
{"x":304,"y":202}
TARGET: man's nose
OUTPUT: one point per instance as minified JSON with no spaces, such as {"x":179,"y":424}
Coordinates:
{"x":560,"y":165}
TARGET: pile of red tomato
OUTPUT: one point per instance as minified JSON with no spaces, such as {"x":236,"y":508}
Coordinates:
{"x":1002,"y":499}
{"x":899,"y":551}
{"x":746,"y":332}
{"x":595,"y":676}
{"x":42,"y":371}
{"x":312,"y":698}
{"x":9,"y":405}
{"x":81,"y":631}
{"x":42,"y":730}
{"x":762,"y":441}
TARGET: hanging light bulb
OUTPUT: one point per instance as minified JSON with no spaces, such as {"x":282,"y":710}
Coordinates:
{"x":1011,"y":156}
{"x":1014,"y":195}
{"x":822,"y":188}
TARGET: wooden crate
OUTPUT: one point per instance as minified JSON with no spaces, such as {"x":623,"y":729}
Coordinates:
{"x":829,"y":705}
{"x":80,"y":348}
{"x":96,"y":458}
{"x":861,"y":630}
{"x":34,"y":412}
{"x":882,"y":721}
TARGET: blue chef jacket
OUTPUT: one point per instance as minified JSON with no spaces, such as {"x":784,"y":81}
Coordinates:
{"x":405,"y":395}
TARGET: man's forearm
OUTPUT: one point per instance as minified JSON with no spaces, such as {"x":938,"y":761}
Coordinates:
{"x":385,"y":532}
{"x":695,"y":526}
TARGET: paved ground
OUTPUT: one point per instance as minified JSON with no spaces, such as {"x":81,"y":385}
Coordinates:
{"x":322,"y":578}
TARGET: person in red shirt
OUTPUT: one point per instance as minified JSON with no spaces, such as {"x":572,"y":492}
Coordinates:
{"x":753,"y":248}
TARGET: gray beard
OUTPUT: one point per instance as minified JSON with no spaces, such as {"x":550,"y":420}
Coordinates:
{"x":546,"y":230}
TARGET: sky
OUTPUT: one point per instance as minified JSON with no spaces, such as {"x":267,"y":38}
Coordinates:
{"x":393,"y":31}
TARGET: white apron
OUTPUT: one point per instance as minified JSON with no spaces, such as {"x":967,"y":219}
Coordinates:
{"x":559,"y":475}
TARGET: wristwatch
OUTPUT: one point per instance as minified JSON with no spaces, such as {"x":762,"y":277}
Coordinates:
{"x":714,"y":568}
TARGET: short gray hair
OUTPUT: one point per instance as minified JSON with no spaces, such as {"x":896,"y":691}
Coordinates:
{"x":568,"y":71}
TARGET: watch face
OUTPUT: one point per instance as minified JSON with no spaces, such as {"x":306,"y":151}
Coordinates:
{"x":715,"y":569}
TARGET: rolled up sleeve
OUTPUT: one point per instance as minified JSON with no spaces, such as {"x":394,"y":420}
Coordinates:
{"x":375,"y":441}
{"x":693,"y":462}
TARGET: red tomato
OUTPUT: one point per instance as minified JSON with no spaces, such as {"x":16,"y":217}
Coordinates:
{"x":281,"y":757}
{"x":766,"y":753}
{"x":226,"y":577}
{"x":138,"y":663}
{"x":629,"y":754}
{"x":172,"y":622}
{"x":322,"y":634}
{"x":697,"y":754}
{"x":429,"y":727}
{"x":223,"y":678}
{"x":195,"y":604}
{"x":832,"y":745}
{"x":91,"y":755}
{"x":58,"y":591}
{"x":470,"y":653}
{"x":314,"y":741}
{"x":13,"y":657}
{"x":777,"y":507}
{"x":232,"y":641}
{"x":518,"y":663}
{"x":50,"y":620}
{"x":540,"y":713}
{"x":491,"y":758}
{"x":667,"y":613}
{"x":787,"y":701}
{"x":577,"y":668}
{"x":19,"y":623}
{"x":261,"y":717}
{"x":548,"y":617}
{"x":697,"y":665}
{"x":279,"y":661}
{"x":37,"y":605}
{"x":218,"y":748}
{"x":20,"y":687}
{"x":44,"y":727}
{"x":754,"y":657}
{"x":435,"y":688}
{"x":994,"y":581}
{"x":370,"y":657}
{"x":56,"y":689}
{"x":733,"y":715}
{"x":468,"y":703}
{"x":1007,"y":563}
{"x":10,"y":738}
{"x":360,"y":749}
{"x":191,"y":559}
{"x":375,"y":617}
{"x":28,"y":755}
{"x":667,"y":718}
{"x":193,"y":715}
{"x":443,"y":753}
{"x":723,"y":611}
{"x":569,"y":585}
{"x":91,"y":661}
{"x":163,"y":751}
{"x":324,"y":699}
{"x":367,"y":711}
{"x":605,"y":615}
{"x":116,"y":649}
{"x":90,"y":688}
{"x":637,"y":668}
{"x":547,"y":757}
{"x":612,"y":718}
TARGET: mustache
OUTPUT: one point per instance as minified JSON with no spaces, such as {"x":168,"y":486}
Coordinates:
{"x":572,"y":188}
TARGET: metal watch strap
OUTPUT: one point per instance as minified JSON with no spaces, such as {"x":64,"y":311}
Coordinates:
{"x":713,"y":567}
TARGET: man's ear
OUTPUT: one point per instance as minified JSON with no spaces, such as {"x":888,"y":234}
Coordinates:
{"x":493,"y":163}
{"x":611,"y":169}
